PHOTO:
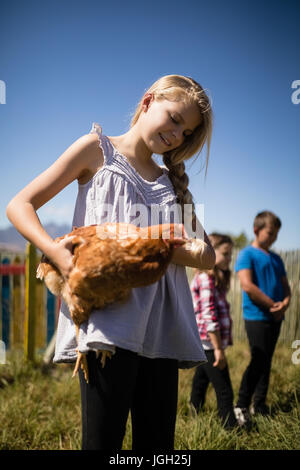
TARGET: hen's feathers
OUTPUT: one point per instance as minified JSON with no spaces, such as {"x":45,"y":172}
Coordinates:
{"x":109,"y":260}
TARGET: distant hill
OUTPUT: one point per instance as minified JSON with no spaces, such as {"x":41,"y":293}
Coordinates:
{"x":11,"y":240}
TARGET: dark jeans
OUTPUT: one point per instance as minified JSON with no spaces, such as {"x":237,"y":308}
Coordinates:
{"x":147,"y":387}
{"x":221,"y":382}
{"x":262,"y":338}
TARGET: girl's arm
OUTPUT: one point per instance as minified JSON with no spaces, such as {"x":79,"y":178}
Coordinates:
{"x":202,"y":258}
{"x":210,"y":314}
{"x":206,"y":309}
{"x":215,"y":338}
{"x":79,"y":160}
{"x":220,"y":358}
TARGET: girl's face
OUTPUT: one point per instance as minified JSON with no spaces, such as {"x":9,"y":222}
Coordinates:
{"x":223,"y":255}
{"x":165,"y":124}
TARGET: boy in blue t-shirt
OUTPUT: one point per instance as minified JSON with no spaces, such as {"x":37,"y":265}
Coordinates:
{"x":266,"y":297}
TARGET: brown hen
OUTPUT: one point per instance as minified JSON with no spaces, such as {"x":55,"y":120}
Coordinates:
{"x":109,"y":260}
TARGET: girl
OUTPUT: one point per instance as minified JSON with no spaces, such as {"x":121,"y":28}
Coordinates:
{"x":154,"y":332}
{"x":214,"y":325}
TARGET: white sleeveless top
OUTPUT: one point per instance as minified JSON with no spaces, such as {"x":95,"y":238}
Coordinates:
{"x":157,"y":321}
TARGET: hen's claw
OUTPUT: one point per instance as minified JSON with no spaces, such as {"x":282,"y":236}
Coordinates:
{"x":104,"y":355}
{"x":82,"y":362}
{"x":84,"y":367}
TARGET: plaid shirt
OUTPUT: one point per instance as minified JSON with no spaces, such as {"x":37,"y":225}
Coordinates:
{"x":211,"y":309}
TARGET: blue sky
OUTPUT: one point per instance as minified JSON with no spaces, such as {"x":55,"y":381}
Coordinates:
{"x":67,"y":64}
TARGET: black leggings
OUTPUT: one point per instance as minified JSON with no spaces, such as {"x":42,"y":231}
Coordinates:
{"x":221,"y":382}
{"x":147,"y":387}
{"x":262,"y":338}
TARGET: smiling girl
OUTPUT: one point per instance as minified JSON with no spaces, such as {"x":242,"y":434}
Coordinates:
{"x":154,"y":332}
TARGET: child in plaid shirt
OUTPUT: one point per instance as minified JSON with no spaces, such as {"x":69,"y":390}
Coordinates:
{"x":214,"y":324}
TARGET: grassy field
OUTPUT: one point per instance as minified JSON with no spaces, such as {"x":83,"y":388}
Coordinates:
{"x":40,"y":408}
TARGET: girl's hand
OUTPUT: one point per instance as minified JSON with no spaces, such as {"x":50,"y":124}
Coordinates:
{"x":62,"y":256}
{"x":220,"y":359}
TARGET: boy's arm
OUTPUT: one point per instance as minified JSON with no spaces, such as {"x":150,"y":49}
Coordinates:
{"x":254,"y":292}
{"x":281,"y":307}
{"x":287,"y":291}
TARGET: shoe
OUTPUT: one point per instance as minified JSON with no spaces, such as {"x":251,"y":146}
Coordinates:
{"x":262,"y":409}
{"x":232,"y":426}
{"x":193,"y":412}
{"x":230,"y":422}
{"x":243,"y":417}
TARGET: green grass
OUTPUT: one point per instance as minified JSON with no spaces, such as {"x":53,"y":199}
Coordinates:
{"x":40,"y":408}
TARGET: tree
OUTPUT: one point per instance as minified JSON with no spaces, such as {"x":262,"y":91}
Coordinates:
{"x":240,"y":241}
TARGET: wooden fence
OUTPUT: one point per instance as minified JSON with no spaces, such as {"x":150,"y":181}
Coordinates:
{"x":290,"y":329}
{"x":28,"y":311}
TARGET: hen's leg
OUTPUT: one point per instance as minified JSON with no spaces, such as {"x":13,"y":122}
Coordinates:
{"x":104,"y":355}
{"x":81,"y":360}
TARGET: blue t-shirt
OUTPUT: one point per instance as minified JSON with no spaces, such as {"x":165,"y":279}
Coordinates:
{"x":267,"y":271}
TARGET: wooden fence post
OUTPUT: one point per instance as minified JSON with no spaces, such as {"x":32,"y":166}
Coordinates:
{"x":1,"y":298}
{"x":30,"y":302}
{"x":17,"y":311}
{"x":6,"y":305}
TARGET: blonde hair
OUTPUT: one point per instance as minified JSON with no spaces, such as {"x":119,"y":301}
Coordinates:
{"x":177,"y":88}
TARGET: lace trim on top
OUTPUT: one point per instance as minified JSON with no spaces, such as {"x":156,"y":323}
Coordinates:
{"x":159,"y":191}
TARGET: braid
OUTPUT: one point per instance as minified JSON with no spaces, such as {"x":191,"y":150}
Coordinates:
{"x":180,"y":182}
